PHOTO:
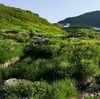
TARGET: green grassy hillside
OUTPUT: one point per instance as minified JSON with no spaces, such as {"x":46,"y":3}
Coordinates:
{"x":24,"y":19}
{"x":46,"y":62}
{"x":18,"y":16}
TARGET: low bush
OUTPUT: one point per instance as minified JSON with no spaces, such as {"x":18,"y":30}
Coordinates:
{"x":41,"y":90}
{"x":24,"y":89}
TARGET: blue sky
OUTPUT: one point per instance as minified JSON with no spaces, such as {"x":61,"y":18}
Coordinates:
{"x":55,"y":10}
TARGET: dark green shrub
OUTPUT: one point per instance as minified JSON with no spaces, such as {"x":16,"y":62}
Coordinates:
{"x":64,"y":89}
{"x":24,"y":89}
{"x":41,"y":51}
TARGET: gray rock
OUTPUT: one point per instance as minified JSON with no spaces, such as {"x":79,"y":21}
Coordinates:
{"x":42,"y":40}
{"x":10,"y":62}
{"x":10,"y":81}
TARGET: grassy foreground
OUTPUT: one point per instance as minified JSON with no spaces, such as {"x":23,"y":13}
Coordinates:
{"x":52,"y":69}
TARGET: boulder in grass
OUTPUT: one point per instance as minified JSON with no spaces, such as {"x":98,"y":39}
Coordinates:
{"x":11,"y":81}
{"x":14,"y":81}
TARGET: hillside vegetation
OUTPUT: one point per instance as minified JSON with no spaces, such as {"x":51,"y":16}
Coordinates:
{"x":41,"y":61}
{"x":24,"y":19}
{"x":89,"y":19}
{"x":18,"y":16}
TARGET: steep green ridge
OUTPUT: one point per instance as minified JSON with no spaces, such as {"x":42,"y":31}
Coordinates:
{"x":12,"y":15}
{"x":90,"y":18}
{"x":16,"y":18}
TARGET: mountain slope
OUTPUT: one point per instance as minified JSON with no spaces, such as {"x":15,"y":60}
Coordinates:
{"x":11,"y":13}
{"x":90,"y":18}
{"x":11,"y":17}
